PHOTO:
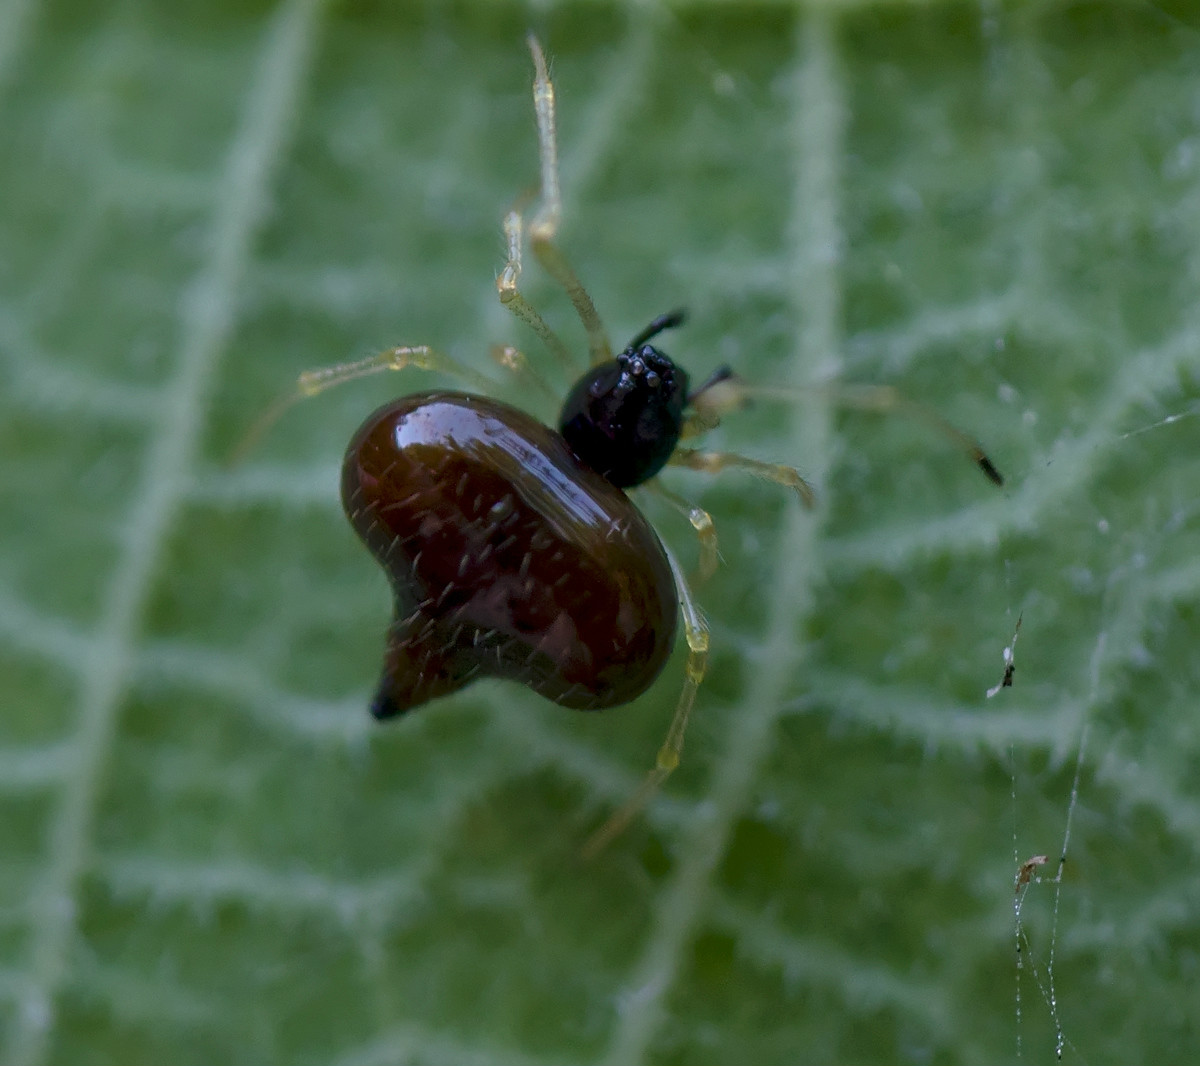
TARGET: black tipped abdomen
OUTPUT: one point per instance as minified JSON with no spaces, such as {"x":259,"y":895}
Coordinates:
{"x":507,"y":557}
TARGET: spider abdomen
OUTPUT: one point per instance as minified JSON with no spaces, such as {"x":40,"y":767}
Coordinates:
{"x":508,"y":558}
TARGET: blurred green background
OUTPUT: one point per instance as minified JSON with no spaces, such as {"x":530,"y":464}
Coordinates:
{"x":211,"y":854}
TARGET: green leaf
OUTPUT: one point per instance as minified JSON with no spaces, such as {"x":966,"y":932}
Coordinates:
{"x":212,"y":854}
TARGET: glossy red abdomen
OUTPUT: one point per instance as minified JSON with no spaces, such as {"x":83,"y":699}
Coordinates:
{"x":508,"y":558}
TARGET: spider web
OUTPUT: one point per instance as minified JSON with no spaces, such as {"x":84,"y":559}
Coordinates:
{"x":210,"y":851}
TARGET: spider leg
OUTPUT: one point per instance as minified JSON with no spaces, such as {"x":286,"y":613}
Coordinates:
{"x":696,"y":632}
{"x":542,"y":231}
{"x":321,"y":379}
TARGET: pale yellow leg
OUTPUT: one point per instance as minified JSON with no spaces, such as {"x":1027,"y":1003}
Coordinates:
{"x":313,"y":382}
{"x":884,"y":398}
{"x":733,"y":393}
{"x":513,"y":360}
{"x":715,"y":462}
{"x":696,"y":631}
{"x":543,"y":229}
{"x":711,"y":400}
{"x":701,"y":521}
{"x":510,"y":294}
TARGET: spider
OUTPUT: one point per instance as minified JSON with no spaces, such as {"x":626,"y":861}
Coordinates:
{"x":513,"y":549}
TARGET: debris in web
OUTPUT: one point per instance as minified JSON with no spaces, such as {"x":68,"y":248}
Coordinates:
{"x":1027,"y":875}
{"x":1009,"y":662}
{"x":1043,"y":975}
{"x":1025,"y":872}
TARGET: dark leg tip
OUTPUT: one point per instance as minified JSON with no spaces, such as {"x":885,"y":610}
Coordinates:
{"x":994,"y":475}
